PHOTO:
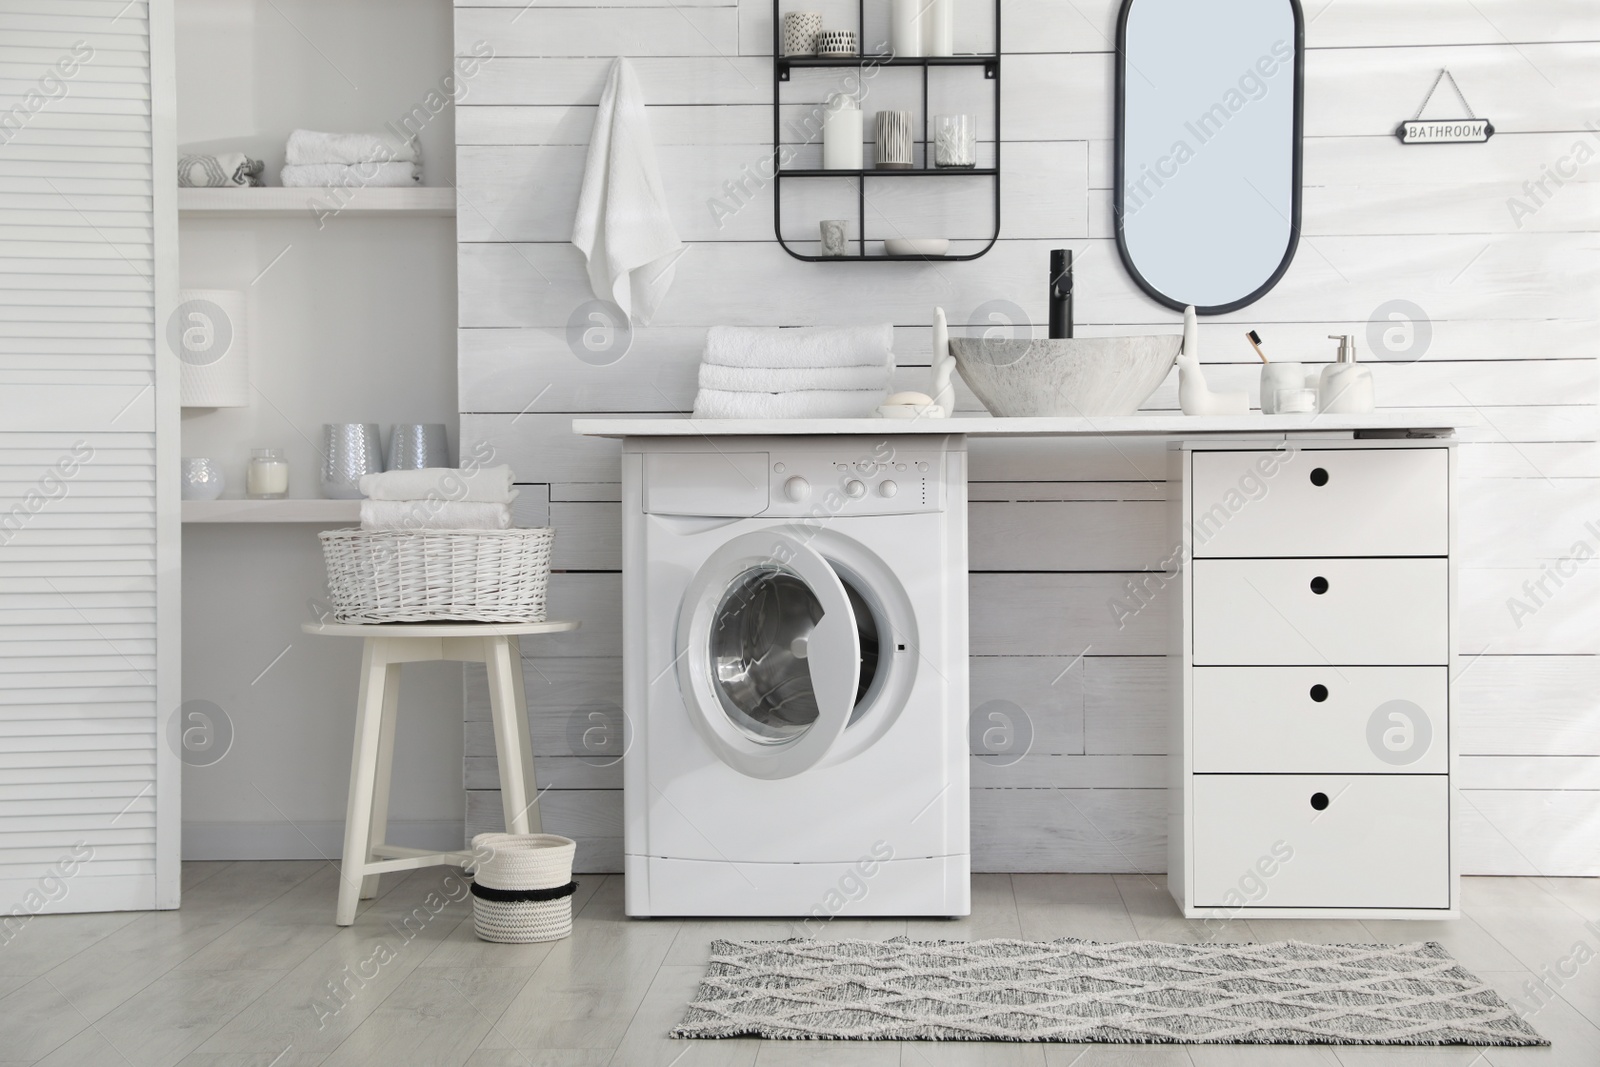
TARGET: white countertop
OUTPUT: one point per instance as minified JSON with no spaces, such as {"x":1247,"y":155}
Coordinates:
{"x":1430,"y":421}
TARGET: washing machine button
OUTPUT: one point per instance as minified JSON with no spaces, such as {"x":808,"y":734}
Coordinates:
{"x":778,"y":468}
{"x":797,"y":489}
{"x":866,"y":466}
{"x":855,"y":488}
{"x":887,"y":488}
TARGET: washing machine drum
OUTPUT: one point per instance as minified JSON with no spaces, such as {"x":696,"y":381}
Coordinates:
{"x":777,"y":652}
{"x":760,"y":642}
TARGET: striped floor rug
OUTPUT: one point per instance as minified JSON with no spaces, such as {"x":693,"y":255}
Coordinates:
{"x":1284,"y":992}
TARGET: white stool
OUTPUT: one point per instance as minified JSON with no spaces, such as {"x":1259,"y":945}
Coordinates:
{"x":366,"y":854}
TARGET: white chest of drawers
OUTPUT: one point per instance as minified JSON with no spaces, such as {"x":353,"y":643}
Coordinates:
{"x":1312,"y":750}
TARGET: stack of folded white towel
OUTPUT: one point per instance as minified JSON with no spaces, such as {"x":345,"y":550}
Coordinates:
{"x":438,"y":498}
{"x":770,"y":373}
{"x":350,"y":159}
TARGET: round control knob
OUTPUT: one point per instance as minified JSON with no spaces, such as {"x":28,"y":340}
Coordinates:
{"x":797,"y":489}
{"x":887,"y":488}
{"x":855,"y":488}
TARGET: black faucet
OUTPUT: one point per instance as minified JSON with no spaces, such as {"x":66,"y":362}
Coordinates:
{"x":1060,"y":293}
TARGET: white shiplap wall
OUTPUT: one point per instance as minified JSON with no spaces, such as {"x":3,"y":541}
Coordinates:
{"x":1057,"y":531}
{"x":88,"y":541}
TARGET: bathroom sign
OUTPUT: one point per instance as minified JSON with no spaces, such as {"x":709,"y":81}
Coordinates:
{"x":1445,"y":131}
{"x":1470,"y":130}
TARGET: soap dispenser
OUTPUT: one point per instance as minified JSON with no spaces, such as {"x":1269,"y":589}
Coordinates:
{"x":1346,"y":386}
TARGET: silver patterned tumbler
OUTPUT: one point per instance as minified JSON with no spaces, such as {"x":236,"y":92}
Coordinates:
{"x":349,"y":450}
{"x":417,"y":445}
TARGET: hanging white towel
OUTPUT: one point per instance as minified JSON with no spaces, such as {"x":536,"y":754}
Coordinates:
{"x":623,"y":228}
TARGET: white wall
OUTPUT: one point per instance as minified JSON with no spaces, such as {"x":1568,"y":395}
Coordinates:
{"x":350,"y":322}
{"x":1057,"y":531}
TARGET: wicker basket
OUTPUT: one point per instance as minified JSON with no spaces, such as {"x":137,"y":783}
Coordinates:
{"x":437,"y":575}
{"x":522,"y":887}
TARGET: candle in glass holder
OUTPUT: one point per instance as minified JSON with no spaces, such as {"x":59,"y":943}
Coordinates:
{"x":267,"y":477}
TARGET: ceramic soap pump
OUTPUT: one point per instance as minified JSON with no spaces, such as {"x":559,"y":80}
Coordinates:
{"x":1346,"y":386}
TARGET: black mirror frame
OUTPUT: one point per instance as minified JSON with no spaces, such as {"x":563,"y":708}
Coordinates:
{"x":1117,"y":168}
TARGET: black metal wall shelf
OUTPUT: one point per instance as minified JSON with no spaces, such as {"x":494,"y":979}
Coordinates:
{"x":783,"y":65}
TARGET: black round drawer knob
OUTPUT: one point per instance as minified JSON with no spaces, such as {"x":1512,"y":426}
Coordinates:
{"x":1319,"y":693}
{"x":1319,"y":585}
{"x":1319,"y":801}
{"x":1319,"y":477}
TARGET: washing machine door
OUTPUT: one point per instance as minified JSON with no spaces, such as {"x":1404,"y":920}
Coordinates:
{"x":769,"y":653}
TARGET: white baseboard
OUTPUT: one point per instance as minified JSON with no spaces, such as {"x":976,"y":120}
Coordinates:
{"x":305,"y":840}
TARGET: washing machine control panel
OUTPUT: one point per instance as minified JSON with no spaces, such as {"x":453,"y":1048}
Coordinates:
{"x":882,"y":481}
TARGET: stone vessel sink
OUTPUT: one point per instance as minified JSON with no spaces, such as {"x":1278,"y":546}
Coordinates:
{"x":1067,"y":376}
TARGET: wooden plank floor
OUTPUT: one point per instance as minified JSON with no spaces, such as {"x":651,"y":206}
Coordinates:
{"x":253,"y":973}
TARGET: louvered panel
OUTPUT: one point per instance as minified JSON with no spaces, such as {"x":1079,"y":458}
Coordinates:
{"x":74,"y":227}
{"x":99,"y":8}
{"x":64,"y":837}
{"x":82,"y":764}
{"x":143,"y":553}
{"x":79,"y":697}
{"x":62,"y":790}
{"x":62,"y":192}
{"x":75,"y":252}
{"x":22,"y":719}
{"x":24,"y":723}
{"x":87,"y":521}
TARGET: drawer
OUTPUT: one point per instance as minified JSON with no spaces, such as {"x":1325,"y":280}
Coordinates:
{"x":1382,"y":841}
{"x":1269,"y":612}
{"x":1350,"y":720}
{"x":1322,"y":502}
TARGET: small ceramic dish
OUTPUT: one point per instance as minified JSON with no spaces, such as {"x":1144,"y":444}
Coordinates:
{"x":916,"y":246}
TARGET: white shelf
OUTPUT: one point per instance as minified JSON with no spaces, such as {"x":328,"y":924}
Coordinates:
{"x":311,"y":203}
{"x":335,"y":512}
{"x":1424,"y":420}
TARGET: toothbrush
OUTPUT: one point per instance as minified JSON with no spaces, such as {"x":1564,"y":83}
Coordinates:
{"x":1255,"y":343}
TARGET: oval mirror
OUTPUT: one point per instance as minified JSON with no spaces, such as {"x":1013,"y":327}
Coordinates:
{"x":1207,"y":156}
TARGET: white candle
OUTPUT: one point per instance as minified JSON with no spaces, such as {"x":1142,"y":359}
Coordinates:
{"x":905,"y":27}
{"x":267,"y":477}
{"x":939,"y":28}
{"x":841,"y":134}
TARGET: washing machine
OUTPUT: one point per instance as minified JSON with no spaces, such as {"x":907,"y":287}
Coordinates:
{"x":795,"y":660}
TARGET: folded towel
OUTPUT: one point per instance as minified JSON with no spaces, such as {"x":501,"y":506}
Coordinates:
{"x":434,"y":515}
{"x":622,"y":228}
{"x":484,"y":485}
{"x":309,"y":146}
{"x":310,"y":175}
{"x":783,"y":380}
{"x":801,"y":404}
{"x":768,"y":346}
{"x":219,"y":171}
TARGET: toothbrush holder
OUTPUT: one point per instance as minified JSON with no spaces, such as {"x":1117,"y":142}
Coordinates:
{"x":1276,"y":376}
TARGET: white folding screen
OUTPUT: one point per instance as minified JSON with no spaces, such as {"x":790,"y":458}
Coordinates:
{"x":89,"y":543}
